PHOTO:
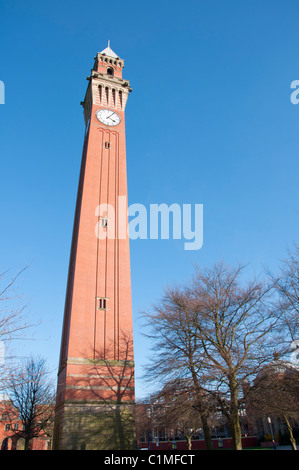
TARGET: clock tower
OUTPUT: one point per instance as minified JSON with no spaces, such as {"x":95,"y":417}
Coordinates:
{"x":95,"y":390}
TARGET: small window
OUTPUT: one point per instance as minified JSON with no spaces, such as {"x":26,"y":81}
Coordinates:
{"x":7,"y":427}
{"x":104,"y":222}
{"x":110,"y":71}
{"x":102,"y":303}
{"x":107,"y":145}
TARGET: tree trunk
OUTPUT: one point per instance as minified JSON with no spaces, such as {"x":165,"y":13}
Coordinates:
{"x":202,"y":408}
{"x":26,"y":444}
{"x":236,"y":431}
{"x":189,"y":441}
{"x":234,"y":416}
{"x":206,"y":431}
{"x":290,"y":431}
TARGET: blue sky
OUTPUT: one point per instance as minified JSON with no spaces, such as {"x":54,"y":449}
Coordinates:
{"x":209,"y":122}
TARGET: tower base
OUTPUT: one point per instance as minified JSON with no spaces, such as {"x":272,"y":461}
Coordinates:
{"x":94,"y":426}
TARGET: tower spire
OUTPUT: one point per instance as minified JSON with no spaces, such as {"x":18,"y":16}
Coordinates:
{"x":109,"y":52}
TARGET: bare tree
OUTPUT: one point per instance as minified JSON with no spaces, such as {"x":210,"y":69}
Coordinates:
{"x":233,"y":326}
{"x":287,"y":288}
{"x":217,"y":332}
{"x":175,"y":349}
{"x":32,"y":394}
{"x":178,"y":405}
{"x":13,"y":320}
{"x":143,"y":419}
{"x":275,"y":393}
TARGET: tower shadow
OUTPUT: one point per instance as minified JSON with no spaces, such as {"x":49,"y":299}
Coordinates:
{"x":108,"y":415}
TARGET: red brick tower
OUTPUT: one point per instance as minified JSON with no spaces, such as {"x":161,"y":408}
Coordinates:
{"x":95,"y":391}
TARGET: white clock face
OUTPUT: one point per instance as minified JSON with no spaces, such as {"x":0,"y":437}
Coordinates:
{"x":108,"y":117}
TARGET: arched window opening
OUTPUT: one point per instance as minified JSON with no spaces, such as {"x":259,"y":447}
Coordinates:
{"x":110,"y":71}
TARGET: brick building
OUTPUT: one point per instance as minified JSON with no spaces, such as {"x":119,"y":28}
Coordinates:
{"x":11,"y":431}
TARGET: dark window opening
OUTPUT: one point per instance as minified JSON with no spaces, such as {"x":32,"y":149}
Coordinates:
{"x":102,"y":305}
{"x":104,"y":222}
{"x":110,"y":71}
